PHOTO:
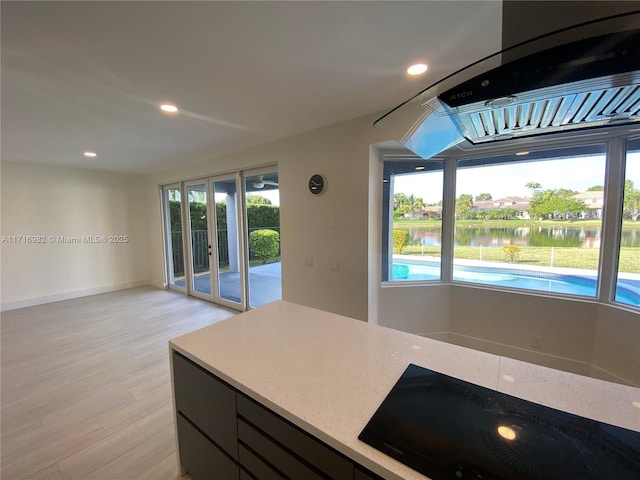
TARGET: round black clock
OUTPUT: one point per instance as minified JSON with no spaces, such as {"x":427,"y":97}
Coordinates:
{"x":316,"y":184}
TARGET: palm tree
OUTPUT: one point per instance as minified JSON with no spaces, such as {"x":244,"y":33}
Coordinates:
{"x":533,"y":186}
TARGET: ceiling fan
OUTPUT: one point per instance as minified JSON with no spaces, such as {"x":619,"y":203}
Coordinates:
{"x":261,"y":182}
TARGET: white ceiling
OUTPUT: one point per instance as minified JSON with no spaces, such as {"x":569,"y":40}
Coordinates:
{"x":82,"y":76}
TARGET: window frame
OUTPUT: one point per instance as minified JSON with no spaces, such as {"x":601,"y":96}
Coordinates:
{"x":615,"y":141}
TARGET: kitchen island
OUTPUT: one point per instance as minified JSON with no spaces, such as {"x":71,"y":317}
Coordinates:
{"x":305,"y":380}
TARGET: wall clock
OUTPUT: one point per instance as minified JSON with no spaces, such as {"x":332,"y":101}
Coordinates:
{"x":316,"y":184}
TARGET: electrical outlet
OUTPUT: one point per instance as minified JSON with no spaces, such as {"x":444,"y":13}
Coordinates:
{"x":334,"y":266}
{"x":536,"y":341}
{"x":308,"y":262}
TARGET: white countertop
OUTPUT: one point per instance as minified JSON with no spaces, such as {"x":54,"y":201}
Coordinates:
{"x":328,"y":374}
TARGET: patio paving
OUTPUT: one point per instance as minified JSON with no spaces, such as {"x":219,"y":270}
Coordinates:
{"x":264,"y":284}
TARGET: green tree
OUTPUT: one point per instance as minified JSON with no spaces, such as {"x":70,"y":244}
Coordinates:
{"x":258,"y":200}
{"x":534,"y":186}
{"x":416,"y":203}
{"x":596,"y":188}
{"x":406,"y":204}
{"x":631,"y":201}
{"x":401,"y":203}
{"x":565,"y":192}
{"x":555,"y":204}
{"x":483,"y":197}
{"x":464,"y":204}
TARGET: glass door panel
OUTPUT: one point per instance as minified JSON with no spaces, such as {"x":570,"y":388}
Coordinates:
{"x":262,"y":202}
{"x":230,"y":264}
{"x":172,"y":209}
{"x":199,"y":242}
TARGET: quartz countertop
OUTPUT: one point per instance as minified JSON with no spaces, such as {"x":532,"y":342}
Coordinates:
{"x":328,"y":374}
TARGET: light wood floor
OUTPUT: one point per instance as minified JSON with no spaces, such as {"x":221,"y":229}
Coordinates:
{"x":86,"y":391}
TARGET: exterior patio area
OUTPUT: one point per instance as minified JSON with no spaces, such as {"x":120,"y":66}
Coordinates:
{"x":265,"y":284}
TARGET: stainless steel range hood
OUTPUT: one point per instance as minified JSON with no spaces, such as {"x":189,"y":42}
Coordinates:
{"x":578,"y":78}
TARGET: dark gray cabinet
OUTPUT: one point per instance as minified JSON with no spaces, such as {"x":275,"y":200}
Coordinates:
{"x":201,"y":457}
{"x":206,"y":422}
{"x":298,"y":444}
{"x":361,"y":474}
{"x":223,"y":434}
{"x":206,"y":402}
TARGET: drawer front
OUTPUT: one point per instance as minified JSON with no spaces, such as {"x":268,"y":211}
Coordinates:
{"x":202,"y":459}
{"x":256,"y":466}
{"x":360,"y":474}
{"x":274,"y":454}
{"x":207,"y":402}
{"x":295,"y":440}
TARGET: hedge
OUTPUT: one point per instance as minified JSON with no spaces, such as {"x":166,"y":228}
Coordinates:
{"x":264,"y":244}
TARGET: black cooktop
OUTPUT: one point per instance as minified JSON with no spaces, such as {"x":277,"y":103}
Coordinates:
{"x":447,"y":428}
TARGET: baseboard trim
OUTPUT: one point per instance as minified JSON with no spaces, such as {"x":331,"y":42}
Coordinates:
{"x":523,"y":354}
{"x":440,"y":336}
{"x":31,"y":302}
{"x":602,"y":374}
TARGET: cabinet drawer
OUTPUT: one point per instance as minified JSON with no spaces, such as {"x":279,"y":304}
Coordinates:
{"x":207,"y":402}
{"x":256,"y":466}
{"x":201,"y":458}
{"x":360,"y":474}
{"x":300,"y":443}
{"x":273,"y":453}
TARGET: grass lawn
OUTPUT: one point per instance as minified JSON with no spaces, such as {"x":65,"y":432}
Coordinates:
{"x":567,"y":257}
{"x":591,"y":224}
{"x":571,"y":257}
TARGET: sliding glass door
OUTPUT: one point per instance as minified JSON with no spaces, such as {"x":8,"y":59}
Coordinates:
{"x":230,"y":262}
{"x":172,"y":209}
{"x":262,"y":211}
{"x":199,"y":241}
{"x":232,"y":238}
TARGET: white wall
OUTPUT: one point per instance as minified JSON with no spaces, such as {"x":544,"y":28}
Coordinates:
{"x":329,"y":228}
{"x":616,"y":347}
{"x":424,"y":310}
{"x":52,"y":201}
{"x":505,"y":323}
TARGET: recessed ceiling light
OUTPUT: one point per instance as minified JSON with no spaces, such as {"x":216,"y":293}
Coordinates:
{"x":90,"y":154}
{"x":507,"y":433}
{"x":522,"y":153}
{"x":167,"y":107}
{"x":417,"y":69}
{"x":420,"y":167}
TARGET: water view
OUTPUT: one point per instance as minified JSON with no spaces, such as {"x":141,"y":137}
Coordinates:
{"x":525,"y":236}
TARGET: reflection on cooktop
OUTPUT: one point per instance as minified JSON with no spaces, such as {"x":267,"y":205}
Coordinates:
{"x":451,"y":429}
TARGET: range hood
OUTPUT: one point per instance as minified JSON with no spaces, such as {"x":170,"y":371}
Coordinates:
{"x":583,"y":77}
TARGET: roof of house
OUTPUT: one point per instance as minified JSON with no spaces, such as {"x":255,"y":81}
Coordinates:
{"x":596,"y":194}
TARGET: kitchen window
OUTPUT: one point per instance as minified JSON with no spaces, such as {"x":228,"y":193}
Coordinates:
{"x":532,"y":219}
{"x":413,"y":230}
{"x":627,"y":285}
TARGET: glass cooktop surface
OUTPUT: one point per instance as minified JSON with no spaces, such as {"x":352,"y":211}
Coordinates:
{"x":447,"y":428}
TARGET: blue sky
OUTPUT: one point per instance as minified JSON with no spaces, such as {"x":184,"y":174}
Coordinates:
{"x":503,"y":180}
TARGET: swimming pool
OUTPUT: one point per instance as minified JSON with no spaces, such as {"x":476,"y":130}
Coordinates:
{"x":628,"y":291}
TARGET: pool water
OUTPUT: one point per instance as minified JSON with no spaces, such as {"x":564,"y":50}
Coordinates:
{"x":628,"y":291}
